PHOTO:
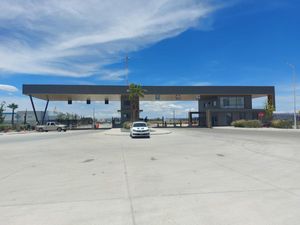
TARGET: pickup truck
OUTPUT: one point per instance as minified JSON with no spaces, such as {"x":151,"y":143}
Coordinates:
{"x":51,"y":126}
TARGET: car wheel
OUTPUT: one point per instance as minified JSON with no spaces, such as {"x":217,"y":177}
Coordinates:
{"x":40,"y":129}
{"x":59,"y":129}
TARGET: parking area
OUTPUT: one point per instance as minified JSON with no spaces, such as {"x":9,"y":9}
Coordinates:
{"x":188,"y":177}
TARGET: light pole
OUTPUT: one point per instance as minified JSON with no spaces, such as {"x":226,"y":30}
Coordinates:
{"x":294,"y":92}
{"x":94,"y":118}
{"x":174,"y":116}
{"x":126,"y":69}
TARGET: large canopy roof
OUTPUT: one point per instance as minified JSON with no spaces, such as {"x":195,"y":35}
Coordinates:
{"x":152,"y":93}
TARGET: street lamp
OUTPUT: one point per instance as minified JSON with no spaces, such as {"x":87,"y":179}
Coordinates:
{"x":174,"y":116}
{"x":294,"y":90}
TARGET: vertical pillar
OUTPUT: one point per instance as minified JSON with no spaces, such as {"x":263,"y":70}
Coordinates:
{"x":33,"y":107}
{"x":208,"y":119}
{"x":190,"y":119}
{"x":130,"y":108}
{"x":43,"y":120}
{"x":125,"y":109}
{"x":199,"y":117}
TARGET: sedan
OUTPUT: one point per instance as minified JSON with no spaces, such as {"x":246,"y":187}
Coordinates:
{"x":139,"y":129}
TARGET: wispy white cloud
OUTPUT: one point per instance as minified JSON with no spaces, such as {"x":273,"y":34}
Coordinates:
{"x":114,"y":75}
{"x":166,"y":108}
{"x":203,"y":83}
{"x":79,"y":38}
{"x":284,"y":97}
{"x":8,"y":88}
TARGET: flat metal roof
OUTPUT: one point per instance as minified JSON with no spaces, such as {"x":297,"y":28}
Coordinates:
{"x":152,"y":93}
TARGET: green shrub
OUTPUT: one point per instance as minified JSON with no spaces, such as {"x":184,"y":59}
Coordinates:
{"x":282,"y":124}
{"x":127,"y":125}
{"x":247,"y":123}
{"x":5,"y":127}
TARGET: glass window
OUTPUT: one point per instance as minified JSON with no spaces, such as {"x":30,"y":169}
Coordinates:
{"x":225,"y":102}
{"x":232,"y":102}
{"x":139,"y":125}
{"x":242,"y":115}
{"x":240,"y":102}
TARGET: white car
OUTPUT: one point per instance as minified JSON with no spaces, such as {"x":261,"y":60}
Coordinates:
{"x":139,"y":129}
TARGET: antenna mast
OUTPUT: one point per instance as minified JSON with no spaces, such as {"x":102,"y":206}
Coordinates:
{"x":126,"y":68}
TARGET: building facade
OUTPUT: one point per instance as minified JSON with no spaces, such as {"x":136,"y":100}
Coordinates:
{"x":223,"y":110}
{"x":217,"y":105}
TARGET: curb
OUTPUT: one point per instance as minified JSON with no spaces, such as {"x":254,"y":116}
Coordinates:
{"x":257,"y":129}
{"x":13,"y":133}
{"x":127,"y":133}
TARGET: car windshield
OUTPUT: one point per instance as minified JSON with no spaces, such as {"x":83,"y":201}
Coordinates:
{"x":139,"y":125}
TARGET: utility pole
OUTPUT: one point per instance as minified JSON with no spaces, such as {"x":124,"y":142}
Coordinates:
{"x":294,"y":81}
{"x":126,"y":68}
{"x":94,"y":117}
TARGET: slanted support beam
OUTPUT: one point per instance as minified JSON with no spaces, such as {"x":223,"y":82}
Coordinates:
{"x":33,"y":107}
{"x":43,"y":120}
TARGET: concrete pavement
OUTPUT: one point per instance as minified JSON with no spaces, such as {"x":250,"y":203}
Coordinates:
{"x":191,"y":176}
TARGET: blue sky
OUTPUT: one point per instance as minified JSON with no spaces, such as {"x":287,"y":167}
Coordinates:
{"x":187,"y":42}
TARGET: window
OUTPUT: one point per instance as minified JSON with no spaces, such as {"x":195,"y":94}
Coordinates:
{"x":139,"y":125}
{"x":232,"y":102}
{"x":242,"y":115}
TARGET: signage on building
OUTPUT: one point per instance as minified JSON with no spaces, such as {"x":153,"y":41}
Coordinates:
{"x":261,"y":114}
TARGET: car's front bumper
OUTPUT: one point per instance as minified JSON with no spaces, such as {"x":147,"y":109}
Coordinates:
{"x":140,"y":134}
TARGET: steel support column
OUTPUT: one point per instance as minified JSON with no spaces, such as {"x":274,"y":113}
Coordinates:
{"x":190,"y":119}
{"x":43,"y":120}
{"x":33,"y":107}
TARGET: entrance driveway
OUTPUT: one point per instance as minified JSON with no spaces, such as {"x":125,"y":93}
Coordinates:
{"x":188,"y":177}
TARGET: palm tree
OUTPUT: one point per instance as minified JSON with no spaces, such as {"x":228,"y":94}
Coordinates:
{"x":269,"y":110}
{"x":2,"y":109}
{"x":13,"y":107}
{"x":135,"y":92}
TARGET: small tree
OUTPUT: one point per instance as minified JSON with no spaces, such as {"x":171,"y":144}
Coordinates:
{"x":13,"y":107}
{"x":135,"y":92}
{"x":61,"y":117}
{"x":269,"y":110}
{"x":2,"y":109}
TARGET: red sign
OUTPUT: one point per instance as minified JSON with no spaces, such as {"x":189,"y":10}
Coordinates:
{"x":261,"y":114}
